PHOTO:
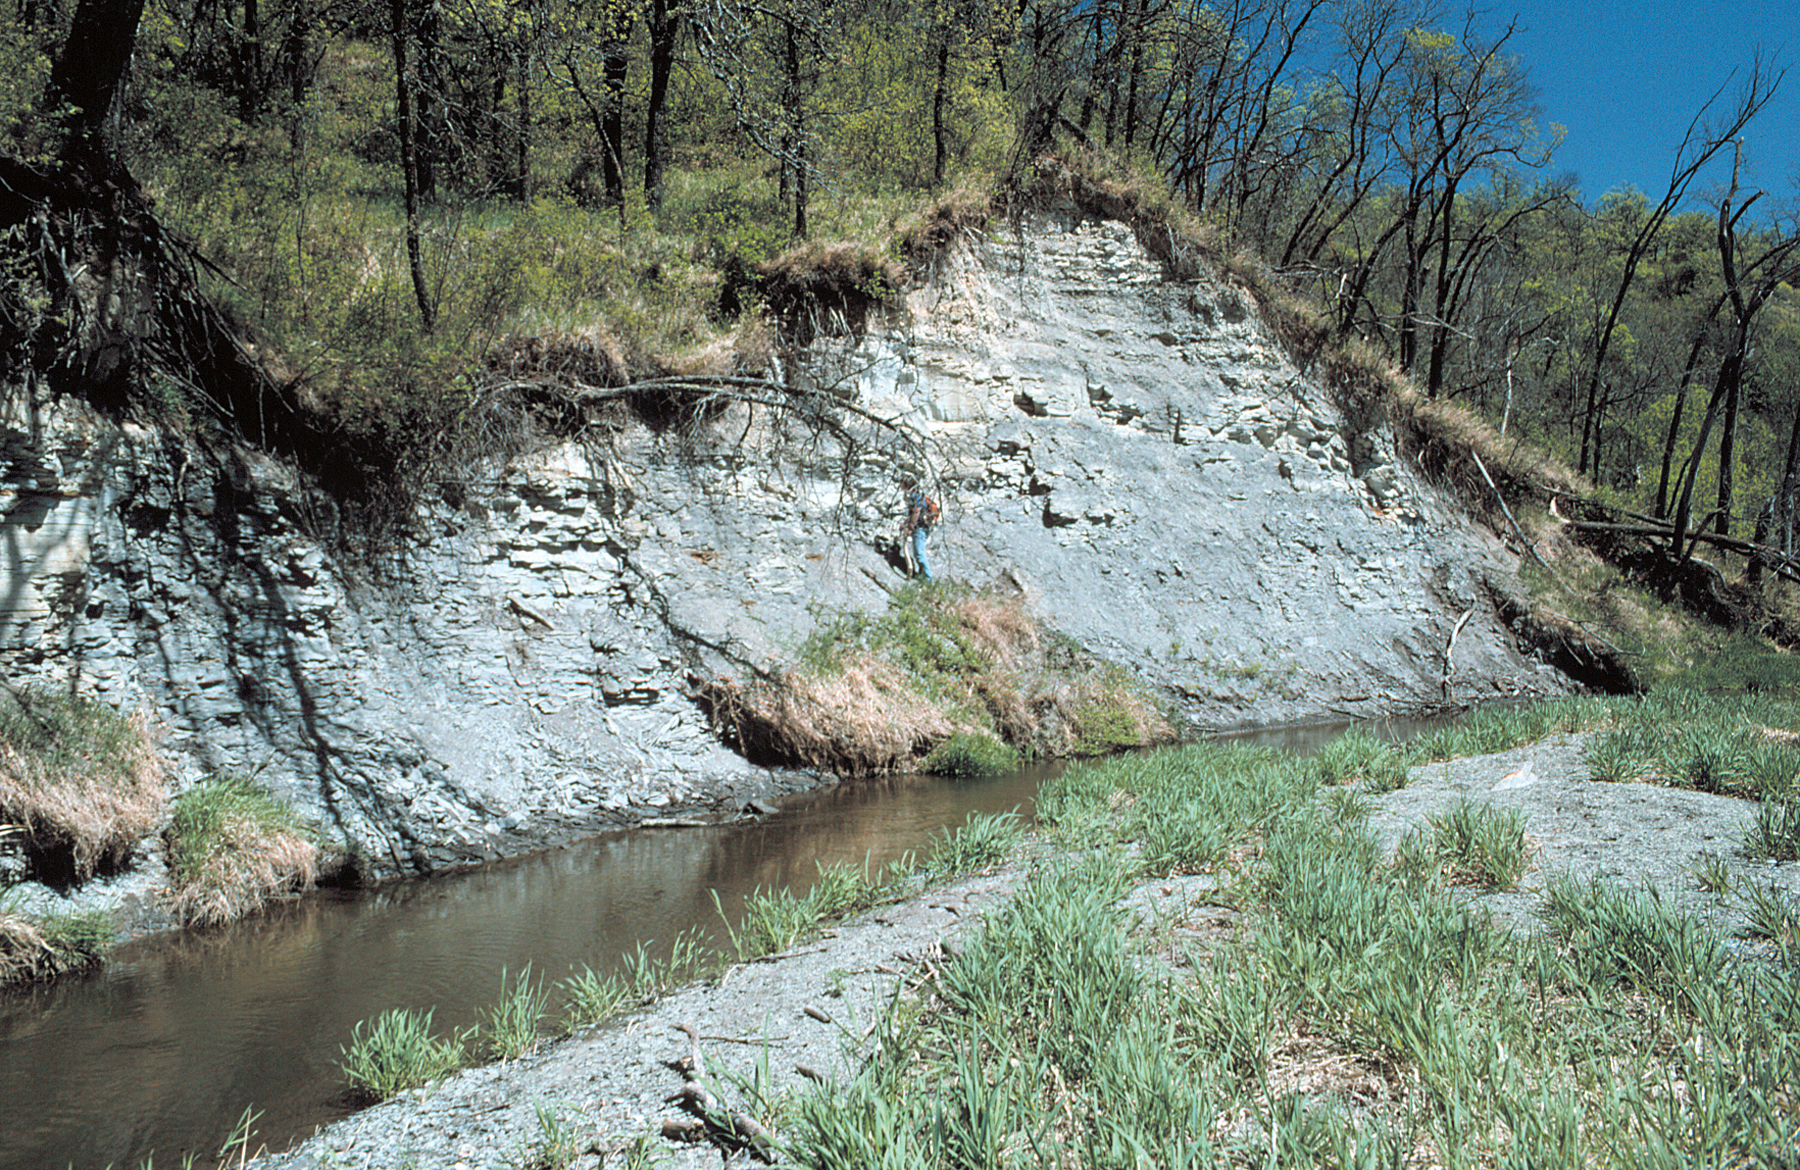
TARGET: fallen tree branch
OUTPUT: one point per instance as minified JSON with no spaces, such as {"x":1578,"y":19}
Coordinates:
{"x":1510,"y":519}
{"x":1783,"y":564}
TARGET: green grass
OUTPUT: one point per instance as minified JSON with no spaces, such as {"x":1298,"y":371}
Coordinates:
{"x":947,"y":679}
{"x":591,"y":998}
{"x":398,"y":1051}
{"x":1471,"y":844}
{"x":1497,"y":729}
{"x":512,"y":1022}
{"x":981,"y":842}
{"x":1357,"y":757}
{"x":1363,"y":1012}
{"x":972,"y":757}
{"x":34,"y":947}
{"x":776,"y":920}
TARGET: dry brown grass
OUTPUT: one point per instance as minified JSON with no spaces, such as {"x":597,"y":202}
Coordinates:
{"x":863,"y":718}
{"x":1102,"y":187}
{"x":32,"y":950}
{"x":1445,"y":440}
{"x":25,"y":955}
{"x":81,"y":781}
{"x":957,"y":215}
{"x":944,"y":662}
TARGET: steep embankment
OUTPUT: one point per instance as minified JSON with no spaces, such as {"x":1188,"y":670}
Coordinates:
{"x":1137,"y":457}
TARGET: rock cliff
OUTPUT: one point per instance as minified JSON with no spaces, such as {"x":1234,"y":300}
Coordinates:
{"x":1137,"y":456}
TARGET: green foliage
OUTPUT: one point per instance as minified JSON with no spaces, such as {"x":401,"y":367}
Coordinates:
{"x":558,"y":1144}
{"x":512,"y":1023}
{"x":1744,"y":666}
{"x":591,"y":998}
{"x":1771,"y":914}
{"x":1187,"y":806}
{"x":398,"y":1052}
{"x":1357,"y":757}
{"x":777,"y":920}
{"x":1776,"y":833}
{"x":61,"y":731}
{"x":1497,"y":729}
{"x":1068,"y":1025}
{"x":971,"y":757}
{"x":231,"y":846}
{"x":650,"y":975}
{"x":34,"y":947}
{"x":1617,"y":937}
{"x":981,"y":842}
{"x":948,"y":666}
{"x":1109,"y":720}
{"x":1472,"y":844}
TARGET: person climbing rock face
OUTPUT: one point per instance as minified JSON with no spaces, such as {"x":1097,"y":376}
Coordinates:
{"x":921,"y":515}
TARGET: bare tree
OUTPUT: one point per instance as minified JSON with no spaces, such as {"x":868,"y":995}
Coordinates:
{"x":1749,"y":283}
{"x":1707,"y":135}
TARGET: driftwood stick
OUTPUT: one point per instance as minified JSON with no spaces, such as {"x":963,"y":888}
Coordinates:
{"x":1450,"y":648}
{"x":1510,"y":519}
{"x":732,"y":1130}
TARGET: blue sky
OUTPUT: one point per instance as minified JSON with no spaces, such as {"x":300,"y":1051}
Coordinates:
{"x":1626,"y":78}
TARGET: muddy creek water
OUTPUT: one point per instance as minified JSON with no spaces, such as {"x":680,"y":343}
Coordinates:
{"x":162,"y":1052}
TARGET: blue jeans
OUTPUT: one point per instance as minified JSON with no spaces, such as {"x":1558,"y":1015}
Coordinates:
{"x":919,"y":536}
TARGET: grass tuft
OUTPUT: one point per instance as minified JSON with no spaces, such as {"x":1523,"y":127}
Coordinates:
{"x":945,"y":667}
{"x":1472,"y":845}
{"x":972,"y":757}
{"x":591,"y":998}
{"x":780,"y":919}
{"x":512,"y":1023}
{"x":398,"y":1052}
{"x":83,"y":782}
{"x":232,"y":847}
{"x":1357,"y":757}
{"x":35,"y":948}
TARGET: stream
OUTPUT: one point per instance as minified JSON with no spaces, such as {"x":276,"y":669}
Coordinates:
{"x":161,"y":1053}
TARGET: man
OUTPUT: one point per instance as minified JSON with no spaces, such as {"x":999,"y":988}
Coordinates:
{"x":921,"y":513}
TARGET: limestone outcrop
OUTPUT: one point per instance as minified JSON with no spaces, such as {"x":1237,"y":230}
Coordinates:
{"x":1137,"y":456}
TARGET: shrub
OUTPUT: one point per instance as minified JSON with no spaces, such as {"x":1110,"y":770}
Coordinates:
{"x":398,"y":1052}
{"x":971,"y":756}
{"x":83,"y":781}
{"x":231,"y":848}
